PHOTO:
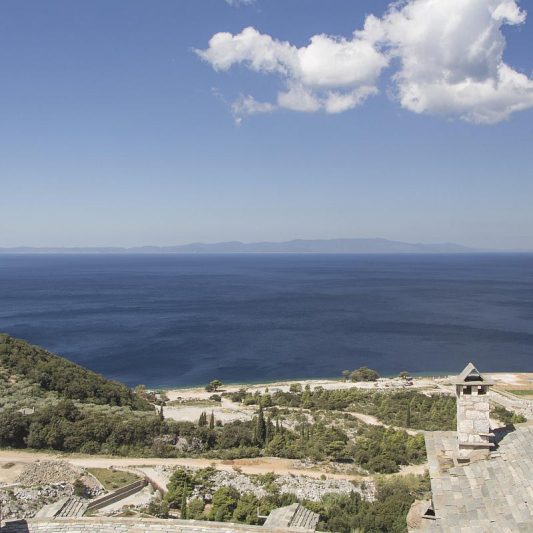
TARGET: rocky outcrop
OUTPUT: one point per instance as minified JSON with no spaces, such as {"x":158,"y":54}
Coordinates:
{"x":304,"y":488}
{"x":26,"y":502}
{"x":47,"y":472}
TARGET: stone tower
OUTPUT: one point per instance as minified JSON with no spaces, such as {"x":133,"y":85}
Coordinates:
{"x":473,"y":411}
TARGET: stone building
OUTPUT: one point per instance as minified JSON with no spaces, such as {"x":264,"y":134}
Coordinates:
{"x":481,"y":480}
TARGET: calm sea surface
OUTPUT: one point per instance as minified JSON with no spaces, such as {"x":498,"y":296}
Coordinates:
{"x":169,"y":320}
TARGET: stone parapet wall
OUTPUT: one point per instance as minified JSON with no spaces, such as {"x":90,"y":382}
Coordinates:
{"x":513,"y":403}
{"x":128,"y":525}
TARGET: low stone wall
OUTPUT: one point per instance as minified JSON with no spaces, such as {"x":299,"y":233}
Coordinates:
{"x":127,"y":525}
{"x":513,"y":403}
{"x":118,"y":495}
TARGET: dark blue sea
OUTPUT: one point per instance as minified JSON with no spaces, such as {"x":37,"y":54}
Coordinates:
{"x":174,"y":320}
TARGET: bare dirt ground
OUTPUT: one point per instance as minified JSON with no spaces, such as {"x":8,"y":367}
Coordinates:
{"x":10,"y":471}
{"x":513,"y":380}
{"x":226,"y":411}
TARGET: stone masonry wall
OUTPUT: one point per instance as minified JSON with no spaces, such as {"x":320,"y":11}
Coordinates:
{"x":473,"y":418}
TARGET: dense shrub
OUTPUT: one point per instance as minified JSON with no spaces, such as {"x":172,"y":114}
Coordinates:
{"x":507,"y":417}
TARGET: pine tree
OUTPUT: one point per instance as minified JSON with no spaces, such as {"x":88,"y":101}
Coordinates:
{"x":212,"y":421}
{"x":183,"y":510}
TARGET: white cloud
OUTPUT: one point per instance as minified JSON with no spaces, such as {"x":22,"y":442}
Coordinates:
{"x":247,"y":105}
{"x":331,"y":74}
{"x":237,"y":3}
{"x":450,"y":56}
{"x":335,"y":63}
{"x":339,"y":102}
{"x":259,"y":52}
{"x":299,"y":98}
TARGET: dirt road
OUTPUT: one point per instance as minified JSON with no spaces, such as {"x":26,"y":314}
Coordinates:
{"x":262,"y":465}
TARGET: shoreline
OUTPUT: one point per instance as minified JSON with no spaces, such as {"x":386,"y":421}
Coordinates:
{"x":424,"y":379}
{"x":288,"y":381}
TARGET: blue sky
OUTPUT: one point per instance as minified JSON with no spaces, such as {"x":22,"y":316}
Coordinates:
{"x":122,"y":123}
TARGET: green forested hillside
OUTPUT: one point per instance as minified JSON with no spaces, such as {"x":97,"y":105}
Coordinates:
{"x":53,"y":373}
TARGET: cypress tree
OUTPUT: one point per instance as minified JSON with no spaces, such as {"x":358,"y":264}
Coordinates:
{"x":212,"y":421}
{"x":161,"y":414}
{"x":203,"y":419}
{"x":268,"y":430}
{"x":408,"y":416}
{"x":260,"y":427}
{"x":183,"y":510}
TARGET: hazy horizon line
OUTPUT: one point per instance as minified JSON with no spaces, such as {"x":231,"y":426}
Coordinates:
{"x":429,"y":247}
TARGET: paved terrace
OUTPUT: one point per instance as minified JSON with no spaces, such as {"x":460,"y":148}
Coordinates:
{"x":129,"y":525}
{"x":489,"y":496}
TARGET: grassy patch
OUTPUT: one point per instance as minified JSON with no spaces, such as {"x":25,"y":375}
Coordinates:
{"x":521,"y":392}
{"x":113,"y":479}
{"x":193,"y":403}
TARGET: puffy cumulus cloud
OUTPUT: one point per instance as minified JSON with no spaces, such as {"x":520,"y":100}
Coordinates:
{"x":330,"y":74}
{"x":449,"y":52}
{"x":336,"y":63}
{"x":259,"y":52}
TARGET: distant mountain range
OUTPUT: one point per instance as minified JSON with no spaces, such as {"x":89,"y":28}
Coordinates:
{"x":320,"y":246}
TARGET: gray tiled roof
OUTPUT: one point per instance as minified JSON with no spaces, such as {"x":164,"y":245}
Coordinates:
{"x":471,"y":374}
{"x":294,"y":516}
{"x":494,"y":495}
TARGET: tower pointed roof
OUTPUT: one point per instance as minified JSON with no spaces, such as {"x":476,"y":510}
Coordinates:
{"x":471,"y":376}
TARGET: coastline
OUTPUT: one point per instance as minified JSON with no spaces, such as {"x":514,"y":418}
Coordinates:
{"x":286,"y":382}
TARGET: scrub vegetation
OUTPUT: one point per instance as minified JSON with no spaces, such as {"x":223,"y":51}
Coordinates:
{"x":408,"y":409}
{"x":342,"y":513}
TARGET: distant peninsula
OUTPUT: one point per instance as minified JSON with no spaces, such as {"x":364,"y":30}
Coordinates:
{"x":319,"y":246}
